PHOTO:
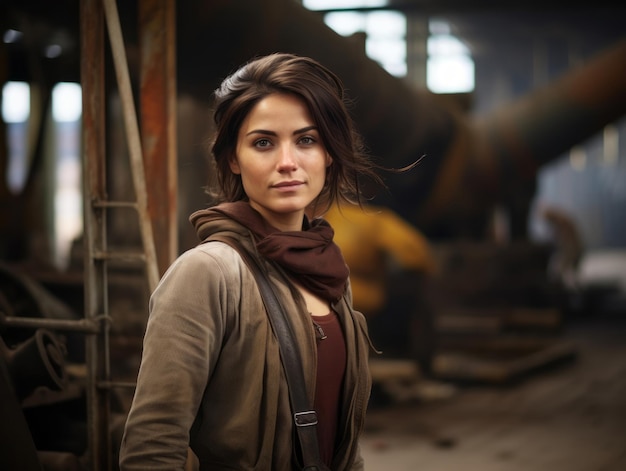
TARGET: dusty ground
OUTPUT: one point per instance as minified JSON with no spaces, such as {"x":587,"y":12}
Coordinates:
{"x":571,"y":418}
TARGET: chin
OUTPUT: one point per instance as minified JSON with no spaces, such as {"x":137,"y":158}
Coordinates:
{"x":291,"y":206}
{"x":288,"y":209}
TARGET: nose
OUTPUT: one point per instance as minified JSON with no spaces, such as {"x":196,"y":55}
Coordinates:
{"x":286,"y":158}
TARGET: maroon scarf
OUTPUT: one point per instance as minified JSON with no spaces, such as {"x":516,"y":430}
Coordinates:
{"x":309,"y":255}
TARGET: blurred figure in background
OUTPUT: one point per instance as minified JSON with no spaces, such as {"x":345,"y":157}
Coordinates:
{"x":569,"y":247}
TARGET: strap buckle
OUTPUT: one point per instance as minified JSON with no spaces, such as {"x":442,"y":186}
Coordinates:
{"x":305,"y":419}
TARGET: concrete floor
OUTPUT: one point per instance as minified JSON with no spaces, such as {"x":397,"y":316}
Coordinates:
{"x":570,"y":418}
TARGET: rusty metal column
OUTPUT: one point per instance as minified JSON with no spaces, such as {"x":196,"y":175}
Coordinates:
{"x":157,"y":41}
{"x":94,"y":188}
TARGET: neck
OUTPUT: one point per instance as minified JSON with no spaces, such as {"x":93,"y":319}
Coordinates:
{"x":284,"y":222}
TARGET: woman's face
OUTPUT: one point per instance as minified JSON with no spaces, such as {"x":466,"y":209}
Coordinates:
{"x":281,"y":160}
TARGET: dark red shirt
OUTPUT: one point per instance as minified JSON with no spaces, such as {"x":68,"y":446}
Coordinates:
{"x":331,"y":366}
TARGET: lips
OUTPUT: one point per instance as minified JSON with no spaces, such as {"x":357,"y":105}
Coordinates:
{"x":287,"y":185}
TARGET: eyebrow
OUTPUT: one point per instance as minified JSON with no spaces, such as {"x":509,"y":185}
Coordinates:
{"x":272,"y":133}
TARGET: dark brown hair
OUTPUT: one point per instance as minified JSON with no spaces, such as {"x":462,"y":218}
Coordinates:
{"x":324,"y":94}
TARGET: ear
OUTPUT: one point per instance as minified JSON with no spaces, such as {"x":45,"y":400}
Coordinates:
{"x":329,"y":160}
{"x":234,"y":165}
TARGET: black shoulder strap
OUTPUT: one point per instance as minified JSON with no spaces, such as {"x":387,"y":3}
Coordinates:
{"x":305,"y":418}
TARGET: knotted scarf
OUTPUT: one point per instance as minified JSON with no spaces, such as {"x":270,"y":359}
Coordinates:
{"x":309,"y":255}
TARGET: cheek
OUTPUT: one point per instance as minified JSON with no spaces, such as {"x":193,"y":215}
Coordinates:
{"x":321,"y":176}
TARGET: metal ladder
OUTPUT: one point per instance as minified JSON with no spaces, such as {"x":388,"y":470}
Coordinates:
{"x":96,"y":322}
{"x":96,"y":207}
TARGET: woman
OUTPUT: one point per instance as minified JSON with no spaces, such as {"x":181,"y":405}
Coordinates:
{"x":211,"y":377}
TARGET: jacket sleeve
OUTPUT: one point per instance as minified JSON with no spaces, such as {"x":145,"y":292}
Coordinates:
{"x":359,"y":463}
{"x":181,"y":343}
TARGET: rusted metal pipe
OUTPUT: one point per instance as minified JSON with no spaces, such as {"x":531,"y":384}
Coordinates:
{"x":157,"y":47}
{"x":546,"y":123}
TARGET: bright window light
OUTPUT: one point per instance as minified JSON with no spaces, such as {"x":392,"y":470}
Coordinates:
{"x":390,"y":53}
{"x":446,"y":45}
{"x":68,"y":222}
{"x":15,"y":102}
{"x":68,"y":217}
{"x":436,"y":27}
{"x":12,"y":36}
{"x":386,"y":24}
{"x":16,"y":115}
{"x":386,"y":43}
{"x":385,"y":31}
{"x":346,"y":23}
{"x":450,"y":67}
{"x":341,"y":4}
{"x":450,"y":74}
{"x":66,"y":102}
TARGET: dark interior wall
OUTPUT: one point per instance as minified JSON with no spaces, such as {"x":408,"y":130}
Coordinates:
{"x":516,"y":50}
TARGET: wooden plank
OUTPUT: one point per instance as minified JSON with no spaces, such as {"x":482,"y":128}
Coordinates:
{"x":475,"y":368}
{"x":497,"y":320}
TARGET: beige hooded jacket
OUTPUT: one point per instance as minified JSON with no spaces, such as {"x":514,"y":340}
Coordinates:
{"x":211,"y":377}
